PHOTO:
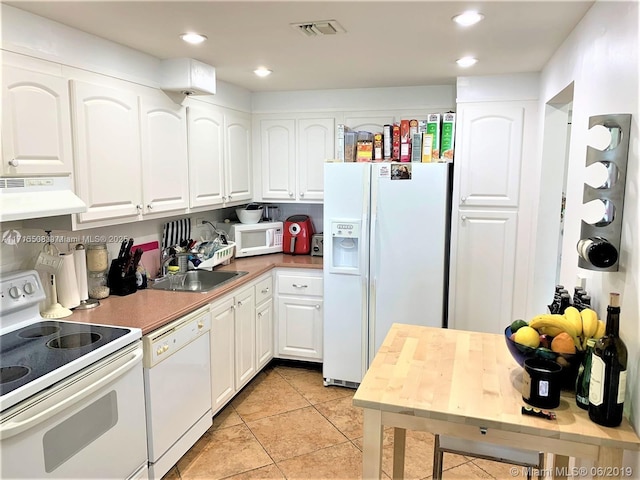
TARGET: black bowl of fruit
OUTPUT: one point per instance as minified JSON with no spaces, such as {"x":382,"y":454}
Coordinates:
{"x":530,"y":343}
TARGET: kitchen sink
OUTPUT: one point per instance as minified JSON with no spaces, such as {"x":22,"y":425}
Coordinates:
{"x":199,"y":281}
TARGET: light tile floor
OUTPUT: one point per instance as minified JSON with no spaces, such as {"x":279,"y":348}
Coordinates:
{"x":286,"y":425}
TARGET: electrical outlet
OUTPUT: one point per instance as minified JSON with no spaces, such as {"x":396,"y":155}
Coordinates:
{"x":199,"y":221}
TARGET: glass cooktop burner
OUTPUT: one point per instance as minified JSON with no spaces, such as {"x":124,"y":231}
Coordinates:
{"x":35,"y":350}
{"x":12,"y":373}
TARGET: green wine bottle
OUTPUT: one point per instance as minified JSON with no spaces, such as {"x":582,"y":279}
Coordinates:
{"x":584,"y":377}
{"x":608,"y":371}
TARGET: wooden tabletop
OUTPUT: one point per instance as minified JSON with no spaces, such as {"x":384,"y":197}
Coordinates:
{"x":470,"y":378}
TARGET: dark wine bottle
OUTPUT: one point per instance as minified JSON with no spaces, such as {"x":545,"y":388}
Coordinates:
{"x":598,"y":252}
{"x":608,"y":371}
{"x":584,"y":377}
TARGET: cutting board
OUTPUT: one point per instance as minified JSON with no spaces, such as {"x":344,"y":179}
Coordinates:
{"x":150,"y":258}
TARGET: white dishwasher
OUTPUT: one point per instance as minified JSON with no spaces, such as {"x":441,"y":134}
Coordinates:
{"x":177,"y":380}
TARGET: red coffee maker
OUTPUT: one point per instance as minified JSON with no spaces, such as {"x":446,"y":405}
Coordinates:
{"x":297,"y":235}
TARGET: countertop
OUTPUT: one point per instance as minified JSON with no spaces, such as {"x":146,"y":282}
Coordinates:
{"x":150,"y":309}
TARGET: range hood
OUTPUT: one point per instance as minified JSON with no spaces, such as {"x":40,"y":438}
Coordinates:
{"x":36,"y":197}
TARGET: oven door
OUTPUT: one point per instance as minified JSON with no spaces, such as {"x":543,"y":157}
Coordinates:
{"x":90,"y":425}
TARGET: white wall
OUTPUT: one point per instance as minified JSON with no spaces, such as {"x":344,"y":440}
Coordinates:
{"x":601,"y":58}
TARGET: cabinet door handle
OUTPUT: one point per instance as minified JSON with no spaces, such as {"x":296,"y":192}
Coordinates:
{"x":150,"y":207}
{"x":463,"y":218}
{"x":139,"y":208}
{"x":298,"y":285}
{"x":301,"y":194}
{"x":229,"y":197}
{"x":265,"y":290}
{"x":463,"y":199}
{"x":233,"y":307}
{"x":291,"y":194}
{"x":259,"y":314}
{"x":224,"y":198}
{"x":14,"y":162}
{"x":239,"y":303}
{"x":317,"y":307}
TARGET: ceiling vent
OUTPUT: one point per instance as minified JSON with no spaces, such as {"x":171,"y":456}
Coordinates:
{"x":319,"y":28}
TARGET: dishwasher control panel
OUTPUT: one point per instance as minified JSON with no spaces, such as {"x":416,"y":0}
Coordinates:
{"x":167,"y":340}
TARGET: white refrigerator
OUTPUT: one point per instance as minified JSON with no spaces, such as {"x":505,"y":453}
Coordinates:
{"x":386,"y":244}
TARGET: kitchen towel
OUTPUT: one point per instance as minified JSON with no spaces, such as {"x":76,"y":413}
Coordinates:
{"x":176,"y":231}
{"x":67,"y":283}
{"x":150,"y":258}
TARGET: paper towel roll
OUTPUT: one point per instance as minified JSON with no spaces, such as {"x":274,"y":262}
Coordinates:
{"x":67,"y":283}
{"x":80,"y":261}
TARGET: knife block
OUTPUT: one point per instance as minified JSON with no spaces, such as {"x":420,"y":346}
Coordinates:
{"x":119,"y":284}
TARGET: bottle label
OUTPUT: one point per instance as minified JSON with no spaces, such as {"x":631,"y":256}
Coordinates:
{"x":596,"y":382}
{"x":622,"y":386}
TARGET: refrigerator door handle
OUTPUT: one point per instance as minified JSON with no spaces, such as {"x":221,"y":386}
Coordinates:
{"x":373,"y":263}
{"x":364,"y":267}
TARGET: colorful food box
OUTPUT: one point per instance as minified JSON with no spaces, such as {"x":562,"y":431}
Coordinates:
{"x":448,"y":136}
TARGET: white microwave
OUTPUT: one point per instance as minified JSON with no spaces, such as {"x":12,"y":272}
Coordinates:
{"x":257,"y":238}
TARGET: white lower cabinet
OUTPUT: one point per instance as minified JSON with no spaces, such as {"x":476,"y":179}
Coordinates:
{"x":241,"y":339}
{"x":245,"y":338}
{"x":222,"y":353}
{"x":264,"y":321}
{"x":483,"y":261}
{"x":299,"y":315}
{"x":249,"y":328}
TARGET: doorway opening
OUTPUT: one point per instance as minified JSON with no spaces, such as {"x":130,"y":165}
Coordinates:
{"x":553,"y":186}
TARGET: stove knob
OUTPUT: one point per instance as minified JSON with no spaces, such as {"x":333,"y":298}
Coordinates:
{"x":15,"y":292}
{"x":29,"y":288}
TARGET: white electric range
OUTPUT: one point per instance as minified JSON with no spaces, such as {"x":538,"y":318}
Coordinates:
{"x":71,"y":394}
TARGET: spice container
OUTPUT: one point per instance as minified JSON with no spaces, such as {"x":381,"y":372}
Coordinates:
{"x":97,"y":257}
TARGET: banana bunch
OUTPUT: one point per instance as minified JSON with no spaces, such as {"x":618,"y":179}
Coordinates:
{"x":579,"y":325}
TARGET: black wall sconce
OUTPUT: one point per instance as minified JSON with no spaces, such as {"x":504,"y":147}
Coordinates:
{"x":599,"y":245}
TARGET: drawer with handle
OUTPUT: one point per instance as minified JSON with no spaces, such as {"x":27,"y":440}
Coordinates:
{"x":299,"y":285}
{"x":264,"y":289}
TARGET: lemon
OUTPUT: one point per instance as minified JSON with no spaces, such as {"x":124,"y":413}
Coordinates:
{"x":527,"y":336}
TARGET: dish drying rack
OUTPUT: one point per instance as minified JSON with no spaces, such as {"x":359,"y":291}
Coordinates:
{"x":219,"y":256}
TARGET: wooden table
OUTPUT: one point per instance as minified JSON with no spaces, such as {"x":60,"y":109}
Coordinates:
{"x":466,"y":384}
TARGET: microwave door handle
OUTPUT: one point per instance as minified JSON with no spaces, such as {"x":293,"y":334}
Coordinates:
{"x":270,"y":237}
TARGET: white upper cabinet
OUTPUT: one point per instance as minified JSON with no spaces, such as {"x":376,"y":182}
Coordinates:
{"x":292,"y":155}
{"x":369,"y":121}
{"x":237,"y":164}
{"x":219,"y":156}
{"x":489,"y":153}
{"x":206,"y":154}
{"x":278,"y":150}
{"x":107,"y":148}
{"x":165,"y":164}
{"x":316,"y":144}
{"x":36,"y":128}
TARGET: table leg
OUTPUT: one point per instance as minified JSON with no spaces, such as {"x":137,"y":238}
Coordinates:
{"x":372,"y":444}
{"x":560,"y":466}
{"x":608,"y":464}
{"x":399,"y":442}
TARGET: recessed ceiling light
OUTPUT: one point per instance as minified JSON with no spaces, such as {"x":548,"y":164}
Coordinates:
{"x":466,"y":61}
{"x":193,"y":38}
{"x":262,"y":72}
{"x":470,"y":17}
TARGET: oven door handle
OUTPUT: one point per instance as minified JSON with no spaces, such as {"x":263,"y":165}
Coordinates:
{"x":12,"y":428}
